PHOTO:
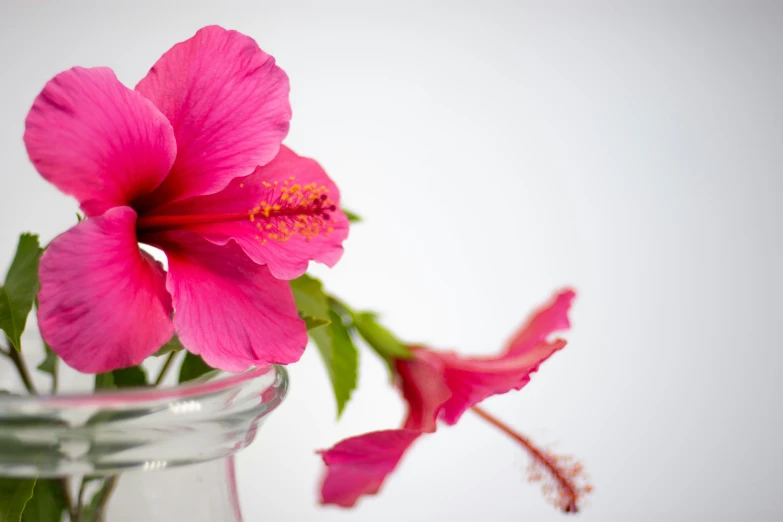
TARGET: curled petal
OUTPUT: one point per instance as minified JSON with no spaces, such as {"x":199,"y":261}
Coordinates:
{"x":103,"y":304}
{"x":548,"y":319}
{"x":283,"y":215}
{"x":227,"y":308}
{"x":228,"y":104}
{"x":471,"y":380}
{"x":97,"y":140}
{"x":358,"y":466}
{"x":424,"y":388}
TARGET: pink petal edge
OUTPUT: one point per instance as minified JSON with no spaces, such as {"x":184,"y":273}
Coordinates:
{"x":228,"y":104}
{"x":546,"y":320}
{"x":97,"y":140}
{"x":424,"y":388}
{"x":257,"y":324}
{"x":358,"y":466}
{"x":471,"y":380}
{"x":103,"y":302}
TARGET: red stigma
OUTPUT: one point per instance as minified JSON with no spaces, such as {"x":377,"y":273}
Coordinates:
{"x":564,"y":481}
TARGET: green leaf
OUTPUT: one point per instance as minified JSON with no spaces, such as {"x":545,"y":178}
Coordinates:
{"x":193,"y":367}
{"x":21,"y":285}
{"x":379,"y":338}
{"x":133,"y":377}
{"x":313,"y":322}
{"x":14,"y":496}
{"x":174,"y":345}
{"x":49,"y":364}
{"x":104,"y":381}
{"x":311,"y":301}
{"x":352,"y":217}
{"x":340,"y":357}
{"x":79,"y":217}
{"x":47,"y":503}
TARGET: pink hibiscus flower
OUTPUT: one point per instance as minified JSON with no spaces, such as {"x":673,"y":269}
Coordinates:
{"x":442,"y":385}
{"x":190,"y":162}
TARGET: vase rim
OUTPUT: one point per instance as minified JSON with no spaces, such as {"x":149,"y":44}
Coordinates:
{"x":136,"y":395}
{"x":136,"y":428}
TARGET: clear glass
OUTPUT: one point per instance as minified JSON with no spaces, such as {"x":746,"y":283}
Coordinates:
{"x":150,"y":455}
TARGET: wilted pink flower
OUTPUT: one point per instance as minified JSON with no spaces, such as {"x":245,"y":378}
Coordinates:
{"x":442,"y":385}
{"x":190,"y":162}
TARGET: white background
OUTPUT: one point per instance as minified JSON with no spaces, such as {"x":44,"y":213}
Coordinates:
{"x":498,"y":152}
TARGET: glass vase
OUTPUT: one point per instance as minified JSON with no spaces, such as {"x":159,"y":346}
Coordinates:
{"x":150,"y":455}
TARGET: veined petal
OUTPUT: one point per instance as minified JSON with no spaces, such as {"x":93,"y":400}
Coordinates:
{"x":283,"y":215}
{"x":424,"y":388}
{"x":227,"y":308}
{"x":103,"y":304}
{"x":550,"y":318}
{"x":97,"y":140}
{"x":471,"y":380}
{"x":358,"y":466}
{"x":228,"y":104}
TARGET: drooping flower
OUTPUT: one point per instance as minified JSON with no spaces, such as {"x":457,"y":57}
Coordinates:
{"x":190,"y":162}
{"x":442,"y":386}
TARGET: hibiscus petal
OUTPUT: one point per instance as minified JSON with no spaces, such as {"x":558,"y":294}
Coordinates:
{"x":228,"y":104}
{"x":424,"y":388}
{"x":228,"y":309}
{"x":285,"y":243}
{"x":103,"y":304}
{"x":97,"y":140}
{"x":548,"y":319}
{"x":358,"y":466}
{"x":471,"y":380}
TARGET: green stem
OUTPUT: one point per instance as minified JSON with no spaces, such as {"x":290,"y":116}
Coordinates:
{"x":165,"y":368}
{"x":80,"y":502}
{"x":24,"y":373}
{"x":108,"y":488}
{"x":55,"y":379}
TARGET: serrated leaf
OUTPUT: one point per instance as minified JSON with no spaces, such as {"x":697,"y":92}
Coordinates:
{"x":174,"y":345}
{"x":49,"y":364}
{"x":14,"y":496}
{"x":340,"y":357}
{"x":311,"y":301}
{"x":47,"y":503}
{"x":18,"y":292}
{"x":352,"y":217}
{"x":379,"y":338}
{"x":193,"y":367}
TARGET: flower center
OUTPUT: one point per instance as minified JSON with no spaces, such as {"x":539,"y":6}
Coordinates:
{"x":303,"y":210}
{"x":285,"y":210}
